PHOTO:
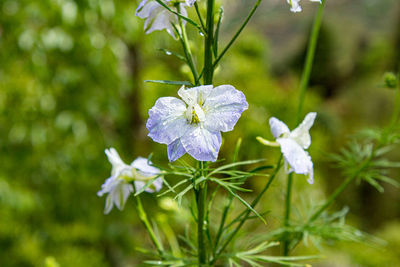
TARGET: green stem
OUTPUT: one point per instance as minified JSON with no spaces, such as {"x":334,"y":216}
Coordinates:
{"x":180,"y":16}
{"x":332,"y":198}
{"x":310,"y":59}
{"x":223,"y":220}
{"x":343,"y":186}
{"x":187,"y":50}
{"x":208,"y":44}
{"x":201,"y":197}
{"x":247,"y":213}
{"x":305,"y":78}
{"x":196,"y":6}
{"x":239,"y":31}
{"x":143,"y":218}
{"x":288,"y":202}
{"x":396,"y":110}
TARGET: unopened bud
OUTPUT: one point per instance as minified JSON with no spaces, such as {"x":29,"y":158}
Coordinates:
{"x":391,"y":80}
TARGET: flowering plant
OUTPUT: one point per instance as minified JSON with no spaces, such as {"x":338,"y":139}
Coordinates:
{"x":193,"y":125}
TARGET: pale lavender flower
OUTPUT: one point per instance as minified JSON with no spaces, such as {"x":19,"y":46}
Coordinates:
{"x":194,"y":125}
{"x":119,"y":185}
{"x":293,"y":145}
{"x":295,"y":5}
{"x":158,"y":17}
{"x":190,"y":2}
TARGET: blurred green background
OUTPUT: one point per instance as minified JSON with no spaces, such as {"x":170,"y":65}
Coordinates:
{"x":71,"y":85}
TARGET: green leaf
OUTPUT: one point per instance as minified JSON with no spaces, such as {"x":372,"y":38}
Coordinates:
{"x":147,"y":185}
{"x":227,"y":187}
{"x":170,"y":82}
{"x":171,"y":53}
{"x":235,"y":164}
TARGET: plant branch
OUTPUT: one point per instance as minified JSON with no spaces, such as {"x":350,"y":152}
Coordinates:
{"x":305,"y":78}
{"x":247,"y":212}
{"x":181,"y":16}
{"x":208,"y":44}
{"x":239,"y":31}
{"x":143,"y":218}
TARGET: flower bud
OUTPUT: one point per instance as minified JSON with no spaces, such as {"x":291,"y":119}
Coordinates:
{"x":391,"y":80}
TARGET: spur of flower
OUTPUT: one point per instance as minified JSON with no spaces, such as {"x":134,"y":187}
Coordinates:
{"x":295,"y":5}
{"x":158,"y":17}
{"x":194,"y":124}
{"x":293,"y":145}
{"x":119,"y":185}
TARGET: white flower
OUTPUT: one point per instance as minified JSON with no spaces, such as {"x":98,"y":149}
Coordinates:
{"x":293,"y":145}
{"x":295,"y":6}
{"x":194,"y":124}
{"x":190,"y":2}
{"x":158,"y":17}
{"x":119,"y":187}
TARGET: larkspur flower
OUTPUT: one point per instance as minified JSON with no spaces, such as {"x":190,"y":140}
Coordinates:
{"x":194,"y":125}
{"x":295,"y":5}
{"x":190,"y":2}
{"x":119,"y":185}
{"x":293,"y":145}
{"x":158,"y":17}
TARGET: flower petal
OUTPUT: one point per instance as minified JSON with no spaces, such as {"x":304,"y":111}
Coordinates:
{"x":294,"y":5}
{"x":167,"y":121}
{"x":175,"y":150}
{"x":202,"y":144}
{"x":301,"y":134}
{"x":223,"y":108}
{"x":195,"y":95}
{"x":298,"y":159}
{"x":154,"y":187}
{"x":190,"y":2}
{"x":142,"y":164}
{"x":145,"y":10}
{"x":160,"y":19}
{"x":118,"y":196}
{"x":278,"y":127}
{"x":108,"y":186}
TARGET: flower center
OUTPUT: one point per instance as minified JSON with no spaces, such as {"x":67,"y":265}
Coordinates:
{"x":195,"y":118}
{"x":194,"y":114}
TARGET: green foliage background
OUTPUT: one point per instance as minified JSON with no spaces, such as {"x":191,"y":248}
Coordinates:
{"x":71,"y":85}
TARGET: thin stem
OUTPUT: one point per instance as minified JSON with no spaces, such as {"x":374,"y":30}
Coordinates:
{"x":239,"y":31}
{"x":208,"y":44}
{"x":396,"y":110}
{"x":196,"y":6}
{"x":187,"y":50}
{"x":332,"y":198}
{"x":223,"y":220}
{"x":216,"y":38}
{"x":201,"y":198}
{"x":305,"y":78}
{"x":143,"y":218}
{"x":288,"y":202}
{"x":247,"y":212}
{"x":181,"y":16}
{"x":308,"y":64}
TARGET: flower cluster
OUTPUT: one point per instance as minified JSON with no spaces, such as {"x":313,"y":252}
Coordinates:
{"x":194,"y":124}
{"x":119,"y":185}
